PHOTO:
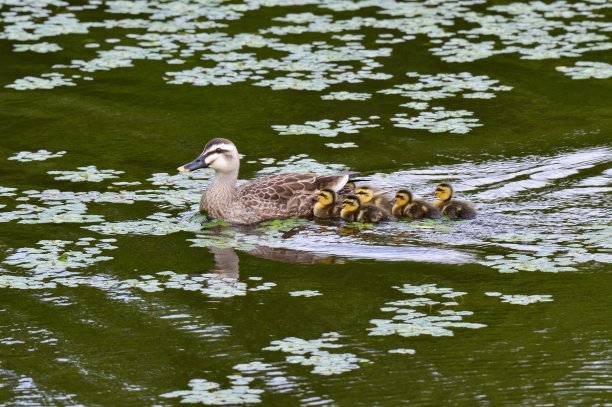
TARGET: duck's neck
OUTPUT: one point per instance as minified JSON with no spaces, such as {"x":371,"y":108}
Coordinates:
{"x":438,"y":203}
{"x":397,"y":209}
{"x":220,"y":194}
{"x":347,"y":215}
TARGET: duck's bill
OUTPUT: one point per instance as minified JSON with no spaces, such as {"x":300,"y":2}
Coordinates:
{"x":194,"y":165}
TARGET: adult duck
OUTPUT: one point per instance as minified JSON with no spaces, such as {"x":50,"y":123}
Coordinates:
{"x":271,"y":197}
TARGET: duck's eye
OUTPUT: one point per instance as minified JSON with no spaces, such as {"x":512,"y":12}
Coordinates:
{"x":218,"y":151}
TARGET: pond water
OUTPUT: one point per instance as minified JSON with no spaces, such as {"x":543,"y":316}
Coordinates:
{"x":115,"y":291}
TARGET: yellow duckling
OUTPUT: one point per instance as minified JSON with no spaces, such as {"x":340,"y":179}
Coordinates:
{"x":368,"y":196}
{"x":405,"y":206}
{"x":325,"y":206}
{"x":454,"y":209}
{"x":349,"y":187}
{"x":354,"y":211}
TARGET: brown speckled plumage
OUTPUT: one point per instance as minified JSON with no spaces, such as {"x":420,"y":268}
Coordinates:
{"x":270,"y":197}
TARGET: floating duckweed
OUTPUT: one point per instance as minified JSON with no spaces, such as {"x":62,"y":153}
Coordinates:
{"x":210,"y":393}
{"x":408,"y":322}
{"x":416,"y":105}
{"x":442,"y":86}
{"x":551,"y":257}
{"x":439,"y":121}
{"x":46,"y":81}
{"x":479,"y":95}
{"x":40,"y":155}
{"x":89,"y":174}
{"x":126,"y":184}
{"x":75,"y":212}
{"x":587,"y":70}
{"x":5,"y":191}
{"x":349,"y":144}
{"x":264,"y":286}
{"x":327,"y":364}
{"x":403,"y":351}
{"x":519,"y":299}
{"x":253,"y":367}
{"x":425,"y":289}
{"x":346,"y":96}
{"x":323,"y":362}
{"x":41,"y":48}
{"x":212,"y":285}
{"x":297,"y":346}
{"x":305,"y":293}
{"x":157,"y":224}
{"x":324,"y":127}
{"x":161,"y":31}
{"x":54,"y":262}
{"x":302,"y":163}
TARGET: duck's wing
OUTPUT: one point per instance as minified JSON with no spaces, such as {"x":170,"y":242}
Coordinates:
{"x":293,"y":193}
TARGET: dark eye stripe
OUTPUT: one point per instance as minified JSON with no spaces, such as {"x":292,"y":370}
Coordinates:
{"x":217,"y":151}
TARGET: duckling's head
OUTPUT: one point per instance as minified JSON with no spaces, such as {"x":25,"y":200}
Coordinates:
{"x":219,"y":154}
{"x":402,"y":198}
{"x":365,"y":194}
{"x":326,"y":197}
{"x":444,"y":191}
{"x":350,"y":203}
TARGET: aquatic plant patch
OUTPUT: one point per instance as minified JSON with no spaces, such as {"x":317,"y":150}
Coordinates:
{"x":443,"y":86}
{"x":346,"y":96}
{"x":309,"y":353}
{"x":210,"y":393}
{"x":40,"y":155}
{"x":86,"y":174}
{"x":349,"y":144}
{"x":408,"y":322}
{"x":587,"y":70}
{"x":520,"y":299}
{"x":325,"y":127}
{"x":305,"y":293}
{"x":54,"y":262}
{"x":41,"y":47}
{"x":438,"y":121}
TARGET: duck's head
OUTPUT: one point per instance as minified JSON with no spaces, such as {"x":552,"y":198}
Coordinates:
{"x":365,"y":194}
{"x":444,"y":192}
{"x":326,"y":197}
{"x":219,"y":154}
{"x":402,"y":198}
{"x":350,"y":203}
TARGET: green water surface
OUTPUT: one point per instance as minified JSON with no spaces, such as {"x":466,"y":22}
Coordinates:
{"x":81,"y":332}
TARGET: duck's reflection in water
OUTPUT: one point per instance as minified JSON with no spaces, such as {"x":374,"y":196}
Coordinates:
{"x":312,"y":243}
{"x":227,"y":261}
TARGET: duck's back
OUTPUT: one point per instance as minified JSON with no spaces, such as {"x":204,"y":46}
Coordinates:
{"x":371,"y":214}
{"x":285,"y":195}
{"x":458,"y":210}
{"x":421,"y":209}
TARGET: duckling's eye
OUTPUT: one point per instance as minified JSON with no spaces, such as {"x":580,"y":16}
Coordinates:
{"x":218,"y":151}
